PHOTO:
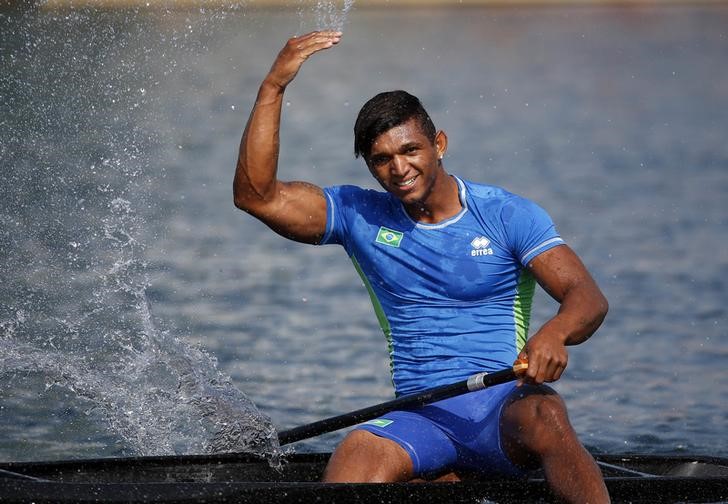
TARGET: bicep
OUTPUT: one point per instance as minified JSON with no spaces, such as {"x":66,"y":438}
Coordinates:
{"x":297,"y":211}
{"x":559,"y":270}
{"x":582,"y":306}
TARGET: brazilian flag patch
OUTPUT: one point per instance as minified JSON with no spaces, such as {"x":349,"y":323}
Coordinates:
{"x":390,"y":237}
{"x":379,"y":422}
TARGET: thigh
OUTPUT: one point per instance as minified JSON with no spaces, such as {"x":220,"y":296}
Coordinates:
{"x":472,"y":421}
{"x":429,"y":449}
{"x":363,"y":457}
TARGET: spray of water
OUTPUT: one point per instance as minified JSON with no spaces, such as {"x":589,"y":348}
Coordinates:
{"x":328,"y":14}
{"x":160,"y":394}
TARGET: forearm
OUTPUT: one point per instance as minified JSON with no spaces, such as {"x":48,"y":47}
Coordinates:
{"x":582,"y":310}
{"x":255,"y":173}
{"x":580,"y":314}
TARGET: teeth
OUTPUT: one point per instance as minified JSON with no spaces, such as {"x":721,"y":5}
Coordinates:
{"x":407,"y":182}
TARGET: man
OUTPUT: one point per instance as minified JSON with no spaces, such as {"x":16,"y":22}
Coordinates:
{"x":450,"y":266}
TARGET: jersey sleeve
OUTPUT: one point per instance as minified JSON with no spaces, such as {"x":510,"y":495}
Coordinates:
{"x":529,"y":229}
{"x":338,"y":203}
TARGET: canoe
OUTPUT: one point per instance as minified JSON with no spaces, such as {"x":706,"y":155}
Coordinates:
{"x":245,"y":478}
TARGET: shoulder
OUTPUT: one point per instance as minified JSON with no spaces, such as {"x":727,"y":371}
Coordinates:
{"x":509,"y":208}
{"x":351,"y":195}
{"x":483,"y":191}
{"x":494,"y":197}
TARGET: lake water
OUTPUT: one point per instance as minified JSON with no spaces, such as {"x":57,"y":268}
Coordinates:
{"x":141,"y":313}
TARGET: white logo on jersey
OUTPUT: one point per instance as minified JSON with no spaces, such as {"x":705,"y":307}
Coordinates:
{"x":480,"y":246}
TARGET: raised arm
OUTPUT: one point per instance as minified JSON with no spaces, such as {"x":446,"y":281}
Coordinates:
{"x":296,"y":210}
{"x":582,"y":309}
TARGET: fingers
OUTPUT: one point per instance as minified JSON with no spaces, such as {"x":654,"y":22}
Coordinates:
{"x":315,"y":41}
{"x":544,"y":365}
{"x":301,"y":48}
{"x":296,"y":51}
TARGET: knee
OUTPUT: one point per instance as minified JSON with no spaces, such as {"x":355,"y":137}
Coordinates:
{"x":549,"y":416}
{"x":537,"y":422}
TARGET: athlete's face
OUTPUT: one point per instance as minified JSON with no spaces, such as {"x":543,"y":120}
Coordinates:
{"x":406,"y":163}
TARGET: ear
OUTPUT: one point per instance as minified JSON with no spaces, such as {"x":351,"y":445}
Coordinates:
{"x":441,"y":144}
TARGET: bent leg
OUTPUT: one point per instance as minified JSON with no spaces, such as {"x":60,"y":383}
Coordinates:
{"x":535,"y":430}
{"x":363,"y":457}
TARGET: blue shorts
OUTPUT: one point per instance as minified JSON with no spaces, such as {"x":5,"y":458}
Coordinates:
{"x":462,"y":432}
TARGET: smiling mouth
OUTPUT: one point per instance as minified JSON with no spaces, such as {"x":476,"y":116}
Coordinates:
{"x":407,"y":183}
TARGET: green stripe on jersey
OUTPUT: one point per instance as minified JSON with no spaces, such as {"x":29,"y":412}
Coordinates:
{"x":379,"y":311}
{"x":522,"y":306}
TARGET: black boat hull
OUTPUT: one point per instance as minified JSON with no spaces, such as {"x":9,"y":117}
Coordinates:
{"x":247,"y":479}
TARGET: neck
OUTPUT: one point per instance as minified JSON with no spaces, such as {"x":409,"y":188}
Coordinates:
{"x":442,"y":202}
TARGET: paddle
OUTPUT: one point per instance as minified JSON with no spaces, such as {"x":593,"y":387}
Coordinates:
{"x":475,"y":382}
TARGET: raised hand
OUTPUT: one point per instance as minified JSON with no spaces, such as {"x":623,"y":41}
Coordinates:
{"x":296,"y":51}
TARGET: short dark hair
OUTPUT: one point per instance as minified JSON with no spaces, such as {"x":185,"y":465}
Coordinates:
{"x":384,"y":112}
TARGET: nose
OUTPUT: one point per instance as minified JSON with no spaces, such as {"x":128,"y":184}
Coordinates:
{"x":398,"y":166}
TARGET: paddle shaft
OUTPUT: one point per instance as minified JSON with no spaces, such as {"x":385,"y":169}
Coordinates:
{"x":477,"y":381}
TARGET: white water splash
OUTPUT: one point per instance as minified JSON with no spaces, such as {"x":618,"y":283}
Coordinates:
{"x":158,"y":393}
{"x":328,"y":14}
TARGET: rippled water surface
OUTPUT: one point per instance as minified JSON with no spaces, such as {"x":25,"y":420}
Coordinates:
{"x":140,"y":313}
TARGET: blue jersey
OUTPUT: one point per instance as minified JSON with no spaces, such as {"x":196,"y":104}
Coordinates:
{"x":453,"y":298}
